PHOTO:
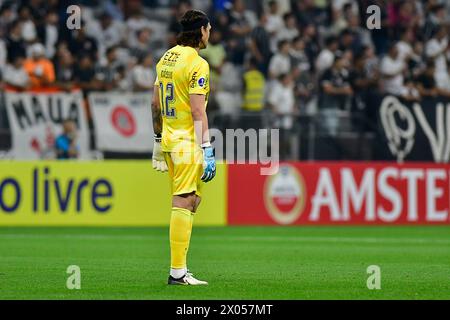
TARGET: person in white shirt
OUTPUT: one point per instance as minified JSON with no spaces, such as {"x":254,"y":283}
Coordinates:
{"x":284,"y":6}
{"x":281,"y":99}
{"x":325,"y":59}
{"x":437,"y":48}
{"x":15,"y":75}
{"x":392,"y":68}
{"x":29,"y":32}
{"x":274,"y":24}
{"x":290,"y":30}
{"x":405,"y":49}
{"x":142,"y":75}
{"x":134,"y":23}
{"x":107,"y":32}
{"x":280,"y":63}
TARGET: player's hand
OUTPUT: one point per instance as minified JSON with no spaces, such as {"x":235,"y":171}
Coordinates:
{"x":159,"y":163}
{"x":209,"y":163}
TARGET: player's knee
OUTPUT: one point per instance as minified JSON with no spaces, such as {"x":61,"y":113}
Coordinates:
{"x":196,"y":203}
{"x":185,"y":201}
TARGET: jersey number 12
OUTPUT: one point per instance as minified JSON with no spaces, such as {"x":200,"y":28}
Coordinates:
{"x":166,"y":100}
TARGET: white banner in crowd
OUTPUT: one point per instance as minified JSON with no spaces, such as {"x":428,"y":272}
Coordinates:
{"x":36,"y":121}
{"x":123,"y":122}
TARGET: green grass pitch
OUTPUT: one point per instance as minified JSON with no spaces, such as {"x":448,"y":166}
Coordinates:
{"x":238,"y":262}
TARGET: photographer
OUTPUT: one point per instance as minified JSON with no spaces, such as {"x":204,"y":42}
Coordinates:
{"x":66,"y":143}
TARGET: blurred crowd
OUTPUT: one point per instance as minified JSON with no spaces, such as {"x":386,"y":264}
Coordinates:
{"x":286,"y":56}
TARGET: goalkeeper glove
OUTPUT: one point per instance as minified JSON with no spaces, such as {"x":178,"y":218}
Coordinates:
{"x":159,"y":163}
{"x":209,"y":163}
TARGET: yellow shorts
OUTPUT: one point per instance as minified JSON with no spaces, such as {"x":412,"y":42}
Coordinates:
{"x":185,"y":171}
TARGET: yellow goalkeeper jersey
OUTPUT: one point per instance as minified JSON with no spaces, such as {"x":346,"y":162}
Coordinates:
{"x":180,"y":73}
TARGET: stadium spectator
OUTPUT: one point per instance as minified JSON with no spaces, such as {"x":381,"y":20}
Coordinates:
{"x":15,"y":75}
{"x":299,"y":59}
{"x":404,"y":45}
{"x":48,"y":33}
{"x":29,"y":32}
{"x":312,"y":46}
{"x":284,"y":6}
{"x":290,"y":30}
{"x":7,"y":15}
{"x":122,"y":81}
{"x":381,"y":36}
{"x":349,"y":42}
{"x":254,"y":88}
{"x":304,"y":82}
{"x":335,"y":93}
{"x":112,"y":31}
{"x":84,"y":74}
{"x":241,"y":23}
{"x":107,"y":32}
{"x":40,"y":69}
{"x":64,"y":69}
{"x":341,"y":13}
{"x":80,"y":43}
{"x":134,"y":23}
{"x":143,"y":43}
{"x":436,"y":18}
{"x":66,"y":146}
{"x":407,"y":15}
{"x":174,"y":27}
{"x":260,"y":44}
{"x":280,"y":63}
{"x":14,"y":43}
{"x":143,"y":74}
{"x":363,"y":81}
{"x":109,"y":74}
{"x":274,"y":24}
{"x":425,"y":82}
{"x":281,"y":101}
{"x":362,"y":36}
{"x":325,"y":58}
{"x":392,"y":69}
{"x":437,"y":49}
{"x":230,"y":83}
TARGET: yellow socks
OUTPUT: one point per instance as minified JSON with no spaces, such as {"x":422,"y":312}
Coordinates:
{"x":180,"y":236}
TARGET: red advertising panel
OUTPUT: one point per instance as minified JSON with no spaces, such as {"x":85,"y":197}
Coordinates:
{"x":339,"y":193}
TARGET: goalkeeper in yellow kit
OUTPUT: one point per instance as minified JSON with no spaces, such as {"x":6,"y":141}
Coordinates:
{"x":182,"y":144}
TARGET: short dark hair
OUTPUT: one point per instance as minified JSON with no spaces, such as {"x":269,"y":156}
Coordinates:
{"x":253,"y":62}
{"x":282,"y":43}
{"x":111,"y":49}
{"x":191,"y":38}
{"x":288,"y":15}
{"x":331,"y":40}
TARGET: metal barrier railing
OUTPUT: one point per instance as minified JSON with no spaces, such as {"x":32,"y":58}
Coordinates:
{"x":340,"y":136}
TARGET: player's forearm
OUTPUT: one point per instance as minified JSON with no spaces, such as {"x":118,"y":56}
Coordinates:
{"x":201,"y":126}
{"x":198,"y":109}
{"x":156,"y":112}
{"x":157,"y":119}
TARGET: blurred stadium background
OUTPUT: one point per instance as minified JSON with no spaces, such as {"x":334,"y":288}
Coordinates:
{"x":364,"y":119}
